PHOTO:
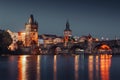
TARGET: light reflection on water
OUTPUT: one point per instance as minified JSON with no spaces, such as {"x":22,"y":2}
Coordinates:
{"x":105,"y":64}
{"x":22,"y":66}
{"x":38,"y":67}
{"x":98,"y":64}
{"x":99,"y":67}
{"x":57,"y":67}
{"x":76,"y":64}
{"x":24,"y":69}
{"x":90,"y":67}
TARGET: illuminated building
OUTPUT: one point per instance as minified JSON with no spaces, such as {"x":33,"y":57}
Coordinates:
{"x":67,"y":32}
{"x":86,"y":38}
{"x":31,"y":32}
{"x":21,"y":37}
{"x":58,"y":40}
{"x":50,"y":39}
{"x":14,"y":37}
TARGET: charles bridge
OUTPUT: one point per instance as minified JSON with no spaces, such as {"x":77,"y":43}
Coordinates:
{"x":104,"y":46}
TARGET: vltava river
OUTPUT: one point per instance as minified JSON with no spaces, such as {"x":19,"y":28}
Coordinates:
{"x":60,"y":67}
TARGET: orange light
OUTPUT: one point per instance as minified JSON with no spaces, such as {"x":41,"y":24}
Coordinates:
{"x":66,"y":38}
{"x":105,"y":64}
{"x":90,"y":66}
{"x":22,"y":68}
{"x":104,"y":47}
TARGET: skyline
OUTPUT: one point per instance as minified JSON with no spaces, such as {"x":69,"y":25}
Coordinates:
{"x":98,"y":18}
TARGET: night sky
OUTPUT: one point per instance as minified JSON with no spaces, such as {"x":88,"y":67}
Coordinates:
{"x":97,"y":17}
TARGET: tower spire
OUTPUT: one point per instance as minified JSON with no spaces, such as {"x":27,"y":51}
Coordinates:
{"x":31,"y":19}
{"x":67,"y":26}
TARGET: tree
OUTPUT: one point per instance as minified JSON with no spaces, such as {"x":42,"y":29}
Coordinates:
{"x":5,"y":40}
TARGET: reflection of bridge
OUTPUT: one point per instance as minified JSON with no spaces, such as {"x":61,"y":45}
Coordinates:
{"x":111,"y":46}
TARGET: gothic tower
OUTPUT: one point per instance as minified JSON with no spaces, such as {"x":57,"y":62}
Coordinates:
{"x":67,"y":32}
{"x":31,"y":31}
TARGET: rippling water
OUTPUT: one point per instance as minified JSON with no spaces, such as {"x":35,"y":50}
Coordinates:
{"x":60,"y":67}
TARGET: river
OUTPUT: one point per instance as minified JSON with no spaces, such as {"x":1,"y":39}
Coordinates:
{"x":60,"y":67}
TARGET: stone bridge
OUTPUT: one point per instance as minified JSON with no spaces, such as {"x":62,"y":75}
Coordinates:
{"x":112,"y":46}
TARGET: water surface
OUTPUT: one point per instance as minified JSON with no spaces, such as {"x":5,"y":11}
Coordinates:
{"x":60,"y":67}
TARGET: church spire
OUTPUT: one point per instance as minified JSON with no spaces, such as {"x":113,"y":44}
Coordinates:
{"x":31,"y":19}
{"x":67,"y":26}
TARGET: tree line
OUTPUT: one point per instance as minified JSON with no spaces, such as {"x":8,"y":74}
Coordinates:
{"x":5,"y":41}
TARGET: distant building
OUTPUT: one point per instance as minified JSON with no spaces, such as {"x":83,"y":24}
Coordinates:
{"x":31,"y":32}
{"x":83,"y":38}
{"x":45,"y":36}
{"x":50,"y":39}
{"x":86,"y":38}
{"x":40,"y":40}
{"x":67,"y":32}
{"x":76,"y":39}
{"x":58,"y":40}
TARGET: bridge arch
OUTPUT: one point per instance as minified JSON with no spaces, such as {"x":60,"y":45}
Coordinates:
{"x":54,"y":49}
{"x":103,"y":48}
{"x":76,"y":48}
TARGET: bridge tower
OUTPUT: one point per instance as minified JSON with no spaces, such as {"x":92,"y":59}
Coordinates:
{"x":67,"y":33}
{"x":31,"y":32}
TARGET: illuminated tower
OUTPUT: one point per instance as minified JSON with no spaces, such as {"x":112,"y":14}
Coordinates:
{"x":67,"y":32}
{"x":31,"y":31}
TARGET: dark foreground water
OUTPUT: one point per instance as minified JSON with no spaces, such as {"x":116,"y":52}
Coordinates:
{"x":60,"y":67}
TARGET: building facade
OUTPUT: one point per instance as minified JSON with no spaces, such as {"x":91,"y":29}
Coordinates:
{"x":31,"y":32}
{"x":67,"y":32}
{"x":21,"y":37}
{"x":14,"y":36}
